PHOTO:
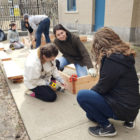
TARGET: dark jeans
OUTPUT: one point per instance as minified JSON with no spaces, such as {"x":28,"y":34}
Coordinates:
{"x":45,"y":93}
{"x":95,"y":107}
{"x":43,"y":27}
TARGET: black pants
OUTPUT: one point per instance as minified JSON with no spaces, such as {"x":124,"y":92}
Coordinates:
{"x":45,"y":93}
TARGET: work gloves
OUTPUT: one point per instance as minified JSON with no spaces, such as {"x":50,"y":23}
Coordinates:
{"x":92,"y":72}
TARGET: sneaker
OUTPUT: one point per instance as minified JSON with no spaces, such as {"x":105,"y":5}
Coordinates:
{"x":129,"y":125}
{"x":99,"y":130}
{"x":30,"y":93}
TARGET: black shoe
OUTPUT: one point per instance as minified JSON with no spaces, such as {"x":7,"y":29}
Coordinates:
{"x":58,"y":65}
{"x":103,"y":131}
{"x":129,"y":125}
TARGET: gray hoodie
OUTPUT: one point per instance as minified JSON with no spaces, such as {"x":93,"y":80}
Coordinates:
{"x":13,"y":36}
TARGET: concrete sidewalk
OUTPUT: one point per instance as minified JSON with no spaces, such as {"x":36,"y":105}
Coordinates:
{"x":61,"y":120}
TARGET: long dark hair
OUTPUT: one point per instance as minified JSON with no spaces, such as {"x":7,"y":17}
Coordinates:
{"x":60,"y":27}
{"x":49,"y":50}
{"x":106,"y":42}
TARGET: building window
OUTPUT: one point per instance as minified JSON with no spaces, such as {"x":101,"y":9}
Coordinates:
{"x":10,"y":1}
{"x":11,"y":10}
{"x":71,"y":5}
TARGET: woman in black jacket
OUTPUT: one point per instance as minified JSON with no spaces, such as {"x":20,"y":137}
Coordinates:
{"x":116,"y":94}
{"x":73,"y":51}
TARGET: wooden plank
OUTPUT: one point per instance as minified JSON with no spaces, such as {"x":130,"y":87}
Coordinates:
{"x":4,"y":56}
{"x":70,"y":66}
{"x":1,"y":47}
{"x":28,"y":42}
{"x":85,"y":82}
{"x":52,"y":37}
{"x":66,"y":78}
{"x":12,"y":71}
{"x":83,"y":38}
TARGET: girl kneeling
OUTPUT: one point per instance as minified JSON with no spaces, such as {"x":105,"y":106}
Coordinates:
{"x":39,"y":68}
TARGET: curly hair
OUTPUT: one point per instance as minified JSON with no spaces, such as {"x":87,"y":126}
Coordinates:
{"x":106,"y":42}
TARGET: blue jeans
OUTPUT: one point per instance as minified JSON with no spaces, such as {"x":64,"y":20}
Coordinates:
{"x":80,"y":70}
{"x":43,"y":27}
{"x":95,"y":107}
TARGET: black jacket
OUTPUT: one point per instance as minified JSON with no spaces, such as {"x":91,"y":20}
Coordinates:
{"x":118,"y":83}
{"x":74,"y":50}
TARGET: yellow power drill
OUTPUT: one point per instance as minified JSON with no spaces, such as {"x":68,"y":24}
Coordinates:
{"x":56,"y":87}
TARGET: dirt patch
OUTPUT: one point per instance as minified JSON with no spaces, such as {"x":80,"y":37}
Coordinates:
{"x":11,"y":125}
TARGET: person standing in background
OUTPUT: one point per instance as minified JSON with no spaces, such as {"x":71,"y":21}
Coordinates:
{"x":40,"y":24}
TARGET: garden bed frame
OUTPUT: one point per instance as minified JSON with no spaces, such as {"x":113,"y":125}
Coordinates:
{"x":84,"y":82}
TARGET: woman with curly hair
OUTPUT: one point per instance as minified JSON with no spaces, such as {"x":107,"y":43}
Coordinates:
{"x":116,"y":94}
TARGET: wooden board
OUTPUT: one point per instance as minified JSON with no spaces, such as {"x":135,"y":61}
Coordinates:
{"x":28,"y":42}
{"x":1,"y":46}
{"x":4,"y":56}
{"x":1,"y":49}
{"x":67,"y":82}
{"x":52,"y":37}
{"x":83,"y":38}
{"x":70,"y":66}
{"x":85,"y":82}
{"x":12,"y":71}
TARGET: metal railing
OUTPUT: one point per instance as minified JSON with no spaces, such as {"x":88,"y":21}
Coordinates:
{"x":14,"y":11}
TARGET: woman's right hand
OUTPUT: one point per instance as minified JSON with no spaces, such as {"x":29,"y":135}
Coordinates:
{"x":64,"y":85}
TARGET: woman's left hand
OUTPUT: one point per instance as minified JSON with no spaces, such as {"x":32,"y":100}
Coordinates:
{"x":92,"y":72}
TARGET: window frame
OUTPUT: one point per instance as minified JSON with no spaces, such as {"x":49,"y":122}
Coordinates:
{"x":72,"y":7}
{"x":10,"y":1}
